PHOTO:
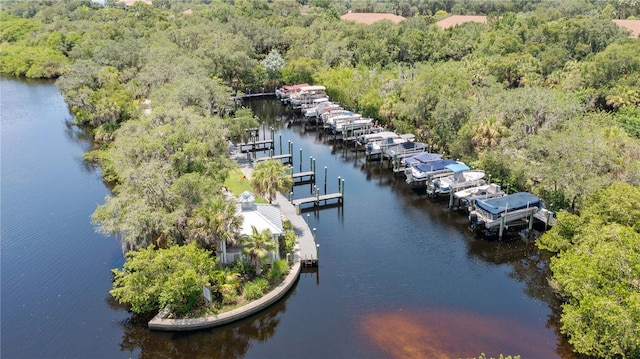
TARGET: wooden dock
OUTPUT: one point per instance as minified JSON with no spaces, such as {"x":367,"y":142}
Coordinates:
{"x":316,"y":200}
{"x":286,"y":158}
{"x":306,"y":238}
{"x":263,"y":145}
{"x":304,"y":177}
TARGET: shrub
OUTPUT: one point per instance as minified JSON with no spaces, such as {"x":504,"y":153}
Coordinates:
{"x":288,"y":241}
{"x":278,"y":270}
{"x":255,"y":289}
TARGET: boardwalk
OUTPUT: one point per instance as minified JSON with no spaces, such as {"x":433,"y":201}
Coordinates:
{"x":306,"y":242}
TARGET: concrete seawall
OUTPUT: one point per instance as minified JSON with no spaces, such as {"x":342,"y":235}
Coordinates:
{"x":159,"y":322}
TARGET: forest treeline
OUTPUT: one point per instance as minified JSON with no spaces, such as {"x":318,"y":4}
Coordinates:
{"x":544,"y":97}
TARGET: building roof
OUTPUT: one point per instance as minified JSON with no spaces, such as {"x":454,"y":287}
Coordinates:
{"x":456,"y":20}
{"x":633,"y":25}
{"x":370,"y":17}
{"x":261,"y":216}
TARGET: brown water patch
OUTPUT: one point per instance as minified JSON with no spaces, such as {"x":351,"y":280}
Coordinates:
{"x":453,"y":334}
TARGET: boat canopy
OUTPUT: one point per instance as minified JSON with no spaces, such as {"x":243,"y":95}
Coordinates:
{"x":457,"y":167}
{"x":512,"y":202}
{"x":312,"y":88}
{"x":433,"y":166}
{"x":423,"y":157}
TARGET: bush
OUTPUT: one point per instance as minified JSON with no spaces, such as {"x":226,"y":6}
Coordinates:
{"x":278,"y":270}
{"x":255,"y":289}
{"x":287,"y":242}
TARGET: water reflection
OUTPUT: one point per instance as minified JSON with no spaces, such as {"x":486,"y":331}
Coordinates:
{"x":444,"y":333}
{"x":226,"y":342}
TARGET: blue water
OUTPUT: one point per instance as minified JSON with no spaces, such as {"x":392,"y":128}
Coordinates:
{"x":392,"y":262}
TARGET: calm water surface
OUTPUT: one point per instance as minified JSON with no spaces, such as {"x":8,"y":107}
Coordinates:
{"x":400,"y":276}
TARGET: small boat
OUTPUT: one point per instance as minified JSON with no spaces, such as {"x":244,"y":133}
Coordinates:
{"x":404,"y":149}
{"x":414,"y":160}
{"x":321,"y":105}
{"x":467,"y":197}
{"x":502,"y":211}
{"x":377,"y":143}
{"x":284,"y":92}
{"x":331,"y":118}
{"x":350,"y":125}
{"x":305,"y":95}
{"x":423,"y":172}
{"x":462,"y":177}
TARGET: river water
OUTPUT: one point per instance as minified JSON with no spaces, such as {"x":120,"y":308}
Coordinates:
{"x":400,"y":276}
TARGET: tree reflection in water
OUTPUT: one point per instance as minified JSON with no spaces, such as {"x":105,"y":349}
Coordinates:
{"x":229,"y":341}
{"x":530,"y":266}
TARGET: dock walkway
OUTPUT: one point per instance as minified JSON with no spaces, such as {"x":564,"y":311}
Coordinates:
{"x":308,"y":253}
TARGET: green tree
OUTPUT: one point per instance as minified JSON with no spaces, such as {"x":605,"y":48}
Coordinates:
{"x":152,"y":279}
{"x":270,"y":176}
{"x":215,"y":220}
{"x":258,"y":246}
{"x":597,"y":272}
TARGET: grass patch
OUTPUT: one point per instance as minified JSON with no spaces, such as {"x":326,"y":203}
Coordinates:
{"x":236,"y":183}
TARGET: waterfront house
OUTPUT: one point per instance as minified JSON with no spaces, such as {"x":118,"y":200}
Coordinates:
{"x":261,"y":216}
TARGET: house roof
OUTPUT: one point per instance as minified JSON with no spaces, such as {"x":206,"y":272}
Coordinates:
{"x":456,"y":20}
{"x":633,"y":25}
{"x":370,"y":17}
{"x":265,"y":216}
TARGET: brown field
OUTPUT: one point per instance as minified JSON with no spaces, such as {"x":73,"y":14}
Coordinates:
{"x":369,"y":18}
{"x":460,"y":19}
{"x":633,"y":25}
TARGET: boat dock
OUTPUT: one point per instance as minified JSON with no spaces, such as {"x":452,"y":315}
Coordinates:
{"x":256,"y":146}
{"x":285,"y":158}
{"x":306,"y":238}
{"x":304,"y":177}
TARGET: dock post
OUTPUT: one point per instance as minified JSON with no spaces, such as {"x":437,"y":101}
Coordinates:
{"x":314,"y":169}
{"x":291,"y":196}
{"x":549,"y":213}
{"x":310,"y":163}
{"x":298,"y":209}
{"x":280,"y":136}
{"x":314,"y":233}
{"x":451,"y":198}
{"x":308,"y":217}
{"x":301,"y":160}
{"x":290,"y":145}
{"x":501,"y":228}
{"x":264,"y":132}
{"x":273,"y":136}
{"x":325,"y":179}
{"x":489,"y":178}
{"x":339,"y":185}
{"x":530,"y":222}
{"x":342,"y":188}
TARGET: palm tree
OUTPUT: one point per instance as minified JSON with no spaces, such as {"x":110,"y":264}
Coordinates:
{"x":271,"y":176}
{"x":257,"y":246}
{"x":487,"y":133}
{"x":215,"y":222}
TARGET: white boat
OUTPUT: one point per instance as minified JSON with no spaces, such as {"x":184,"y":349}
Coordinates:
{"x":404,"y":149}
{"x":321,"y":105}
{"x":376,"y":143}
{"x":467,"y":197}
{"x":501,"y":211}
{"x":350,"y":125}
{"x":284,"y":92}
{"x":462,"y":177}
{"x":423,"y":172}
{"x":331,"y":118}
{"x":306,"y":95}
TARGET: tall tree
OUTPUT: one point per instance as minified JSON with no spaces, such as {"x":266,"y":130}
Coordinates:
{"x":270,"y":176}
{"x":258,"y":246}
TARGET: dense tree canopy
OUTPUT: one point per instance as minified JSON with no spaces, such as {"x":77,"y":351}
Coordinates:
{"x":544,"y":97}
